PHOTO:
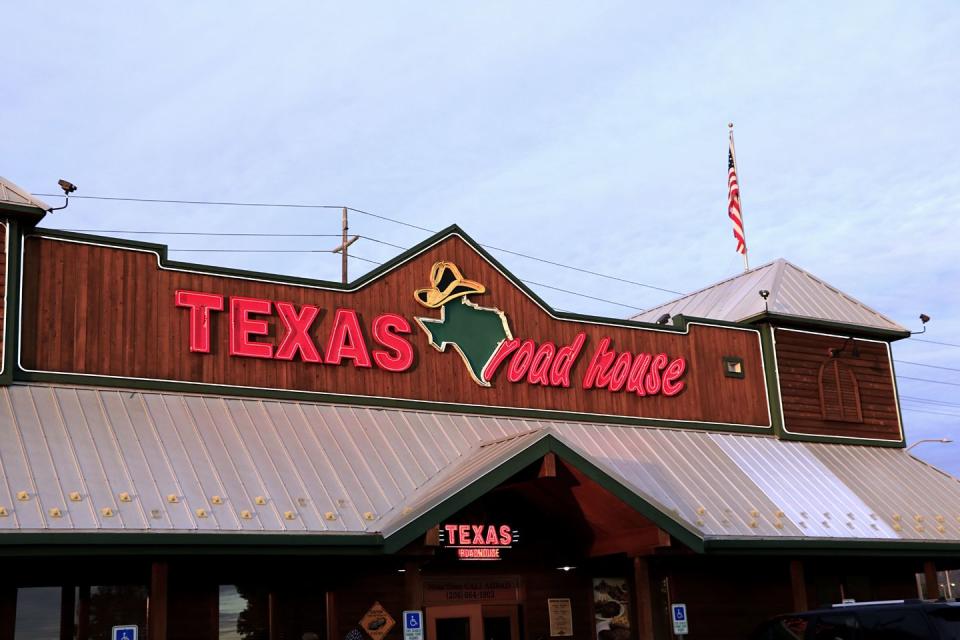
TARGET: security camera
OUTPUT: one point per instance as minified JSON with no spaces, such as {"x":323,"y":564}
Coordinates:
{"x":764,"y":294}
{"x":664,"y":319}
{"x":924,"y":318}
{"x":67,"y":186}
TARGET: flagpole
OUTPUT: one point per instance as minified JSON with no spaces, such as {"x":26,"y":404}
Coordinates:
{"x":733,"y":152}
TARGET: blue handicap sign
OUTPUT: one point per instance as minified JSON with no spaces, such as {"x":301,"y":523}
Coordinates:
{"x":124,"y":632}
{"x":681,"y":625}
{"x":413,"y":625}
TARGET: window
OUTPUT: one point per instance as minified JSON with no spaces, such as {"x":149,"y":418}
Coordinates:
{"x":894,"y":624}
{"x":947,"y":622}
{"x":116,"y":605}
{"x":242,"y":613}
{"x":839,"y":392}
{"x":95,"y":611}
{"x":785,"y":628}
{"x":38,"y":613}
{"x":835,"y":627}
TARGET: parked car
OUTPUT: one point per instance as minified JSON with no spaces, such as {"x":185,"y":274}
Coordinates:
{"x":886,"y":620}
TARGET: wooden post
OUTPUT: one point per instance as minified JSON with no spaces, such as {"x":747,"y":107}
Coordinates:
{"x":68,"y":607}
{"x":83,"y":613}
{"x":548,"y":468}
{"x":933,"y":583}
{"x":157,"y":601}
{"x":273,"y":617}
{"x":8,"y":611}
{"x":333,"y":632}
{"x":413,"y":586}
{"x":644,"y":598}
{"x":798,"y":585}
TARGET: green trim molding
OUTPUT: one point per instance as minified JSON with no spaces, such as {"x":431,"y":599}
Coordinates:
{"x":85,"y":543}
{"x":11,"y":318}
{"x":379,"y":402}
{"x":786,"y":321}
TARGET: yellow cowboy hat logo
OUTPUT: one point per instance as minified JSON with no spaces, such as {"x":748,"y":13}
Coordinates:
{"x":448,"y":284}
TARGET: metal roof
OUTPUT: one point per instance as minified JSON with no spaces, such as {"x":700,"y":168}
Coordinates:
{"x":13,"y":194}
{"x":793,"y":292}
{"x":93,"y":459}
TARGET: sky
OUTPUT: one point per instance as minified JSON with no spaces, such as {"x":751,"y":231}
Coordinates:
{"x":589,"y":134}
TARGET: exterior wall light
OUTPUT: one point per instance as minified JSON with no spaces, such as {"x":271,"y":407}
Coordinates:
{"x":940,"y":440}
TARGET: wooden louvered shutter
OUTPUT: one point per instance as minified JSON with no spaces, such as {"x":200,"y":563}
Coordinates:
{"x":839,"y":392}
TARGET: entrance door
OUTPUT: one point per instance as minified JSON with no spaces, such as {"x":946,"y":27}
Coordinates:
{"x":473,"y":622}
{"x":500,"y":622}
{"x":455,"y":622}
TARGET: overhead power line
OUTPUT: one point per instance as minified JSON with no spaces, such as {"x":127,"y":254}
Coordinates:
{"x":208,"y":233}
{"x":582,"y":295}
{"x":945,"y":403}
{"x":538,"y":284}
{"x":952,"y":384}
{"x":944,"y":344}
{"x":351,"y":255}
{"x":923,"y":364}
{"x":935,"y":413}
{"x":226,"y":203}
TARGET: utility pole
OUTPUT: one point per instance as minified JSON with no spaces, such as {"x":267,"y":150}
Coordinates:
{"x":342,"y":249}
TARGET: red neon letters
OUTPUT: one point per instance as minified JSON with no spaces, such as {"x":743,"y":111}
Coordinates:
{"x":643,"y":374}
{"x":249,"y":332}
{"x":200,"y":305}
{"x":297,"y":338}
{"x":386,"y":331}
{"x":242,"y":327}
{"x":478,"y":541}
{"x":546,"y":364}
{"x":478,"y":535}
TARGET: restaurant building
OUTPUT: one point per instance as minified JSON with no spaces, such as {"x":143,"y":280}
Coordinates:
{"x":192,"y":452}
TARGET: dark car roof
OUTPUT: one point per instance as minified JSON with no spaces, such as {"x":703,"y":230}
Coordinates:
{"x":877,"y":606}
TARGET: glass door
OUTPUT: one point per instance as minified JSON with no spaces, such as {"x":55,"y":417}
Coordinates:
{"x":500,"y":622}
{"x":455,"y":622}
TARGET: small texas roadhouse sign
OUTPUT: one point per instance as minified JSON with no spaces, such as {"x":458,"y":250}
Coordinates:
{"x":478,"y":541}
{"x":480,"y":335}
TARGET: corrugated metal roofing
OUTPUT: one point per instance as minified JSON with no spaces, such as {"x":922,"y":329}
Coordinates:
{"x":793,"y":292}
{"x":13,"y":194}
{"x":89,"y":459}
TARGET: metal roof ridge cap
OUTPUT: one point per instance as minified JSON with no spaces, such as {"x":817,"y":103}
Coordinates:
{"x":781,"y":267}
{"x":925,"y":463}
{"x":516,"y":436}
{"x":704,"y":289}
{"x":846,"y":296}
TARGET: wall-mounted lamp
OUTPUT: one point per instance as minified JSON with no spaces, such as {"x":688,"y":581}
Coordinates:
{"x":68,"y":188}
{"x":940,"y":440}
{"x":924,"y":319}
{"x":764,"y":294}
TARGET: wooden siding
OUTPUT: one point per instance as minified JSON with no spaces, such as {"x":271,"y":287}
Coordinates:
{"x":107,"y":311}
{"x":800,"y":356}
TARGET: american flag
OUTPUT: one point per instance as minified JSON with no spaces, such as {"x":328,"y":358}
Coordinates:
{"x":733,"y":200}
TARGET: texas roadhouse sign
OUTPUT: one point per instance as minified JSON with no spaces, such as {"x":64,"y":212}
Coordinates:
{"x":481,"y":336}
